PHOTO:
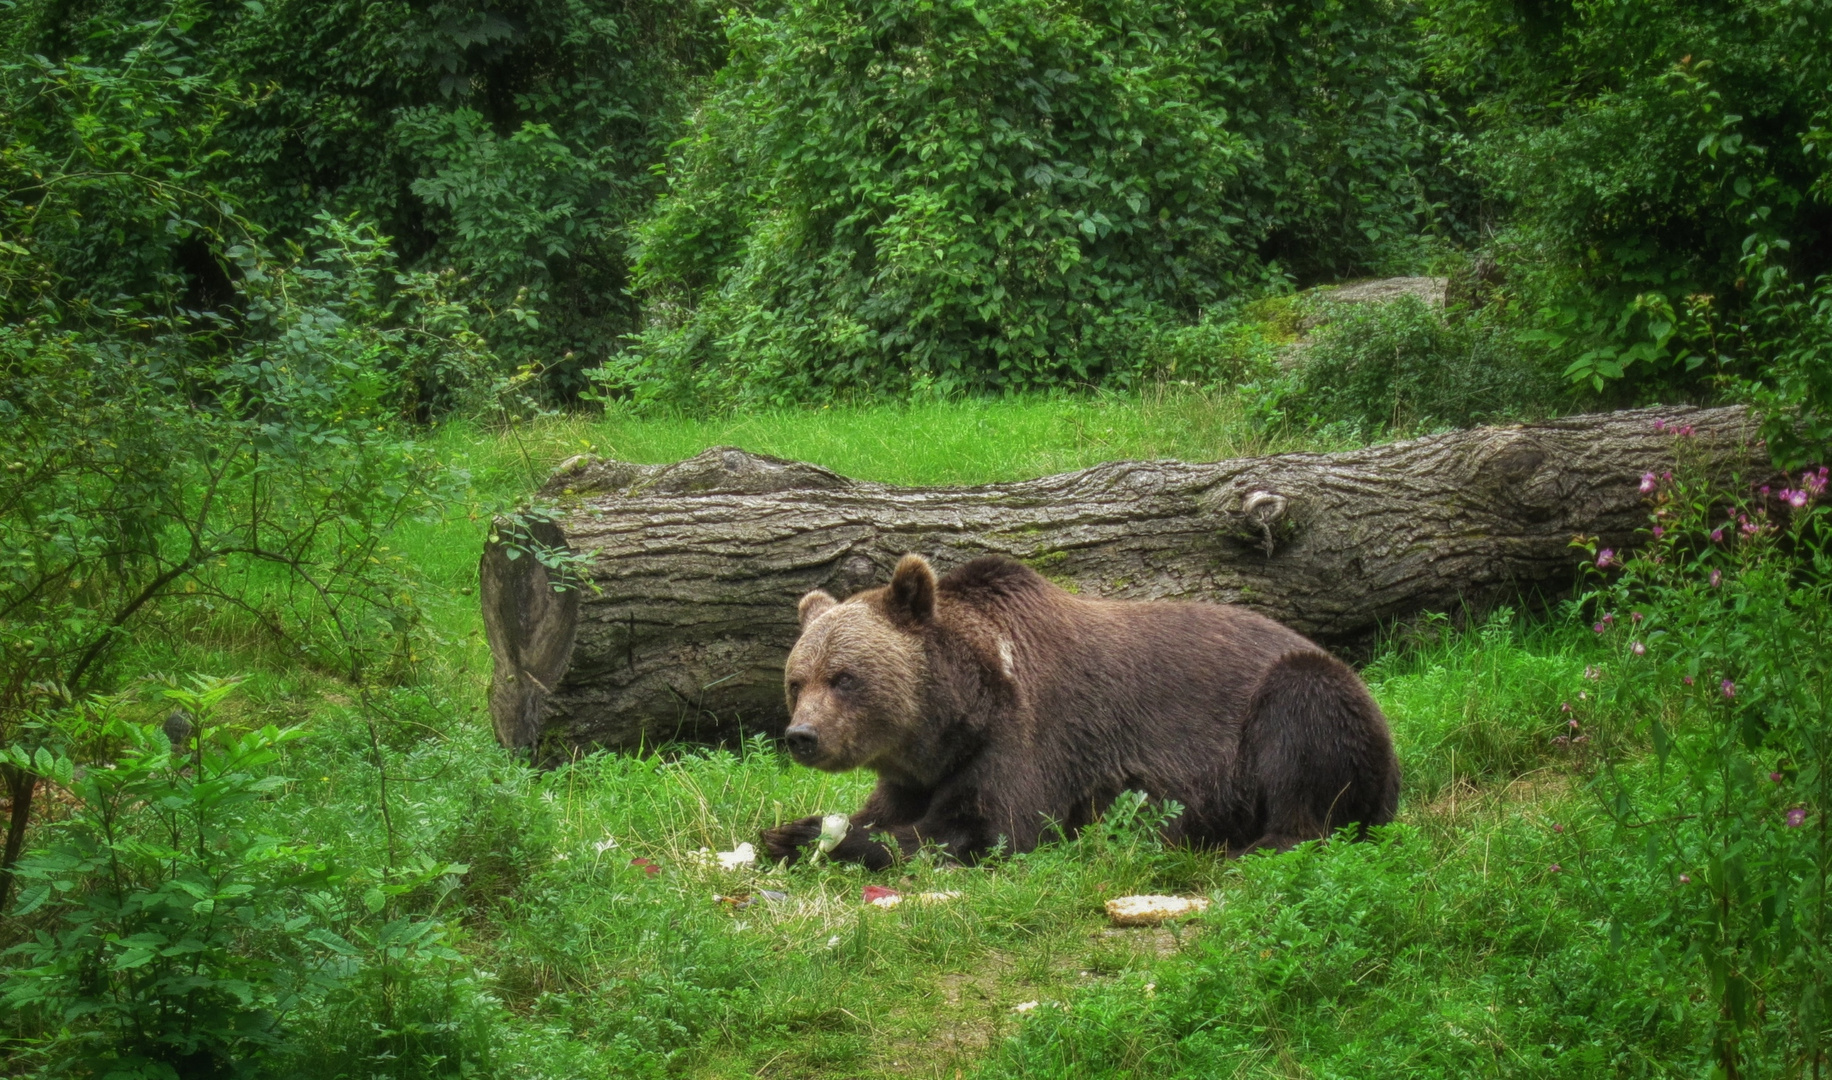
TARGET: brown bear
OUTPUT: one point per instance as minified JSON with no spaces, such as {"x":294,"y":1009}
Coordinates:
{"x":998,"y":709}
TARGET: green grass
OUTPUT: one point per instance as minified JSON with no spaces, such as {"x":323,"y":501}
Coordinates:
{"x":601,"y":967}
{"x":974,"y":441}
{"x":1380,"y":959}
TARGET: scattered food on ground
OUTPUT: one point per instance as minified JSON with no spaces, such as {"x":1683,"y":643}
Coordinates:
{"x":1151,"y":910}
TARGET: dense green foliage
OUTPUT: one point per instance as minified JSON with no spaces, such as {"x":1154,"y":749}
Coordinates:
{"x":1401,"y":366}
{"x":507,"y":146}
{"x":1643,"y":149}
{"x":796,"y":200}
{"x":1005,"y":194}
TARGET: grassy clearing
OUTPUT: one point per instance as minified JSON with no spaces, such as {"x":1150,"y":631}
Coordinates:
{"x":603,"y":967}
{"x":1448,"y":949}
{"x":973,"y":441}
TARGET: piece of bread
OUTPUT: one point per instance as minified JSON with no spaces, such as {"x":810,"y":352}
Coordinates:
{"x":1152,"y":910}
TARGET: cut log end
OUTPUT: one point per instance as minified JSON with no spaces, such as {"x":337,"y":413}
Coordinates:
{"x":530,"y":619}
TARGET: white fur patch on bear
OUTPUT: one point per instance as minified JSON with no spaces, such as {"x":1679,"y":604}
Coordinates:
{"x":1005,"y":662}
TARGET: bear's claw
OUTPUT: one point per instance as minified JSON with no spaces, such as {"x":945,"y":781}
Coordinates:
{"x":786,"y":841}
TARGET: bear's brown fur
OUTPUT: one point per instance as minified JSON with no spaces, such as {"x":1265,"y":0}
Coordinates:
{"x":995,"y":707}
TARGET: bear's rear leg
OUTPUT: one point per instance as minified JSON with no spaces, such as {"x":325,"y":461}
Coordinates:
{"x":1315,"y":754}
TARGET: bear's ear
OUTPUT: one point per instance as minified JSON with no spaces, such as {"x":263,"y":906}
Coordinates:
{"x":814,"y":605}
{"x":913,"y":589}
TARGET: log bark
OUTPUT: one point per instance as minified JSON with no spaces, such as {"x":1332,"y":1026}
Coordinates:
{"x":684,"y":578}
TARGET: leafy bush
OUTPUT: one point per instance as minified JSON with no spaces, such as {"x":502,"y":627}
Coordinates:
{"x":175,"y":932}
{"x":508,"y":145}
{"x":215,"y":475}
{"x":1223,"y":347}
{"x":1401,"y":365}
{"x":1794,"y":389}
{"x":243,"y":466}
{"x":178,"y":936}
{"x":1636,"y":152}
{"x":994,"y":196}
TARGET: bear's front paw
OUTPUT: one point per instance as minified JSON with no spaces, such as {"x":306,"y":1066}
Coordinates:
{"x":786,"y":841}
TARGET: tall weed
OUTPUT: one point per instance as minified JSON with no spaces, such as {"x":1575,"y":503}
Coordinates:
{"x":1720,"y":627}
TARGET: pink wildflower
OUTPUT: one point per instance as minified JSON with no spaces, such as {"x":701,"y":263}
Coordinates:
{"x":1638,"y":649}
{"x":1660,"y":425}
{"x":1774,"y":778}
{"x":1729,"y":688}
{"x":1598,"y":627}
{"x":1574,"y":723}
{"x":1687,"y":679}
{"x":1564,"y":706}
{"x":1685,"y":431}
{"x":1796,"y":817}
{"x":1795,"y":499}
{"x":1635,"y":616}
{"x":1717,"y":535}
{"x":1557,"y":827}
{"x":1606,"y":558}
{"x":1555,"y":868}
{"x":1814,"y":482}
{"x":1648,"y":483}
{"x":1685,"y":879}
{"x":1659,"y":532}
{"x":1750,"y":528}
{"x":1717,"y":578}
{"x":1609,"y":618}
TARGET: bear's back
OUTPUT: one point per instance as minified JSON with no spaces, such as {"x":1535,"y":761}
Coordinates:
{"x":1135,"y":663}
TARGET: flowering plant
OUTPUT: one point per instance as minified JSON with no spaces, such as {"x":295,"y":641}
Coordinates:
{"x":1721,"y":665}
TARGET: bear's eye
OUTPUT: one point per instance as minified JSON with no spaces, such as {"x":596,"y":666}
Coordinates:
{"x":795,"y":688}
{"x":845,"y":682}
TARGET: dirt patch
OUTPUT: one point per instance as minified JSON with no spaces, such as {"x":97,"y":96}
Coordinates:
{"x":1157,"y":941}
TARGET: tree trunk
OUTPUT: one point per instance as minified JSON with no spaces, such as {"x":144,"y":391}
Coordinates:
{"x":686,"y":576}
{"x":20,"y":786}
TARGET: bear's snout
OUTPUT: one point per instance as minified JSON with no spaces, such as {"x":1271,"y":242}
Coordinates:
{"x":804,"y":742}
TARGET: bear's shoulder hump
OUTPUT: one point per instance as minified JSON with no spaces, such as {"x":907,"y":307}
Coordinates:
{"x":990,"y":577}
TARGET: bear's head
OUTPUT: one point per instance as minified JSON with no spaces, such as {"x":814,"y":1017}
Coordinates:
{"x":857,"y":678}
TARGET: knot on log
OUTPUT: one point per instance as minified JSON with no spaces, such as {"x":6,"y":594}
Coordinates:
{"x":1262,"y":520}
{"x":1511,"y":468}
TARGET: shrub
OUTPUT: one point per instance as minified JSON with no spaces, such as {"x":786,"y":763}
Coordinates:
{"x":510,"y":146}
{"x":1635,"y":152}
{"x":1719,"y":627}
{"x":173,"y":930}
{"x":176,"y":934}
{"x":1400,"y":366}
{"x":1004,"y":195}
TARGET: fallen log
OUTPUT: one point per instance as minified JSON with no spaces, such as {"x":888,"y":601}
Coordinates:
{"x":677,"y":584}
